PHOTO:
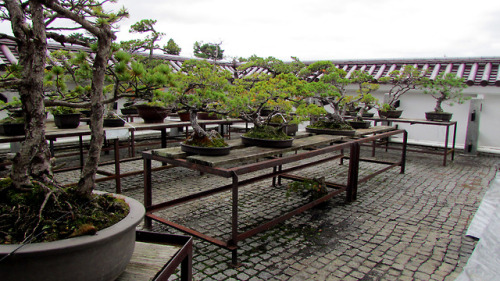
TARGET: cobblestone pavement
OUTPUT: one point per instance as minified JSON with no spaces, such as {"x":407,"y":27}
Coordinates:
{"x":402,"y":227}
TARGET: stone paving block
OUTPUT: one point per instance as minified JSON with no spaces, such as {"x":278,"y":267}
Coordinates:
{"x":402,"y":227}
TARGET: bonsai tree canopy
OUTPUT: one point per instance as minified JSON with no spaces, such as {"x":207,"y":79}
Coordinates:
{"x":446,"y":88}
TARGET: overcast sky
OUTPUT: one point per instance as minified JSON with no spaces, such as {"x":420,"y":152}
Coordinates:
{"x":326,"y":29}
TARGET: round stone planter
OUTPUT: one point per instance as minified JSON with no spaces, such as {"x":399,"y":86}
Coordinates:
{"x":67,"y":121}
{"x":103,"y":256}
{"x":390,"y":113}
{"x":438,"y":116}
{"x":152,"y":114}
{"x":266,"y":143}
{"x":207,"y":151}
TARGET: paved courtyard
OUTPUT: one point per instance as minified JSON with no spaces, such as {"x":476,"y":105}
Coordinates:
{"x":402,"y":227}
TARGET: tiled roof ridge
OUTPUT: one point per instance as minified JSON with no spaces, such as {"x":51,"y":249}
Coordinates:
{"x":484,"y":71}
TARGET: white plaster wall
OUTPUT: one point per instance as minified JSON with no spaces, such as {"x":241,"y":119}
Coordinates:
{"x":414,"y":105}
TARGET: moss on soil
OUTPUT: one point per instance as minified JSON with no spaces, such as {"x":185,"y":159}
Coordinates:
{"x":64,"y":215}
{"x":330,"y":125}
{"x":267,"y":133}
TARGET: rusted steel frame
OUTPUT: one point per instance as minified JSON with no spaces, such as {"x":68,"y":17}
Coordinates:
{"x":269,"y":224}
{"x":118,"y":181}
{"x":183,"y":257}
{"x":226,"y":173}
{"x":454,"y":139}
{"x":353,"y":172}
{"x":191,"y":197}
{"x":148,"y":193}
{"x":190,"y":231}
{"x":372,"y":175}
{"x":379,"y":136}
{"x":288,"y":159}
{"x":233,"y":242}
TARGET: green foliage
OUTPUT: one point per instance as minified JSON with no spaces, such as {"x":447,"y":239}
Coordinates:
{"x":60,"y":110}
{"x":314,"y":188}
{"x":402,"y":82}
{"x":12,"y":120}
{"x":202,"y":87}
{"x":208,"y":50}
{"x":204,"y":141}
{"x":268,"y":133}
{"x":322,"y":124}
{"x":446,"y":87}
{"x":272,"y":65}
{"x":172,"y":48}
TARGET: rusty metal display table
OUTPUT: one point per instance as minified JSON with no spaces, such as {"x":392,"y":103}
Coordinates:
{"x":53,"y":134}
{"x":157,"y":255}
{"x":449,"y":124}
{"x":246,"y":160}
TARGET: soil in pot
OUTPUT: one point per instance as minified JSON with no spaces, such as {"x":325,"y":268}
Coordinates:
{"x":152,"y":114}
{"x":89,"y":257}
{"x":67,"y":121}
{"x":331,"y":128}
{"x":438,"y":116}
{"x":267,"y":136}
{"x":203,"y":145}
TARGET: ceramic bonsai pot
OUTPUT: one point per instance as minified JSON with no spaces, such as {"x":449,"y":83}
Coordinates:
{"x":128,"y":110}
{"x":331,"y":131}
{"x":113,"y":122}
{"x":438,"y":116}
{"x":267,"y":143}
{"x":183,"y":116}
{"x":207,"y":151}
{"x":67,"y":121}
{"x":207,"y":116}
{"x":11,"y":129}
{"x":359,"y":124}
{"x":152,"y":114}
{"x":103,"y":256}
{"x":390,"y":113}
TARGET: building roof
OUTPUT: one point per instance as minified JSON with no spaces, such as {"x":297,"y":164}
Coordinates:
{"x":483,"y":71}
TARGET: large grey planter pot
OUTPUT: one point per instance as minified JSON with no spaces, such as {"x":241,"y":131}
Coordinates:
{"x":438,"y":116}
{"x":103,"y":256}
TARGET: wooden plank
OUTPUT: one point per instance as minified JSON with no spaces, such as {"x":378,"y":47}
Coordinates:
{"x":374,"y":130}
{"x":252,"y":153}
{"x":147,"y":260}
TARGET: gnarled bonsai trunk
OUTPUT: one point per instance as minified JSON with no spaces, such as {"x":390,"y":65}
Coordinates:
{"x":87,"y":177}
{"x":33,"y":159}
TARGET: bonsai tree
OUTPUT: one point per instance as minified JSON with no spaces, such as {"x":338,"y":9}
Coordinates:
{"x":364,"y":100}
{"x":445,"y":88}
{"x":277,"y":90}
{"x":410,"y":78}
{"x":31,"y":171}
{"x":210,"y":51}
{"x":150,"y":42}
{"x":202,"y":87}
{"x":330,"y":90}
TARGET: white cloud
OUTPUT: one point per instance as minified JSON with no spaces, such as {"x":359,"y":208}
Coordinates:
{"x":326,"y":29}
